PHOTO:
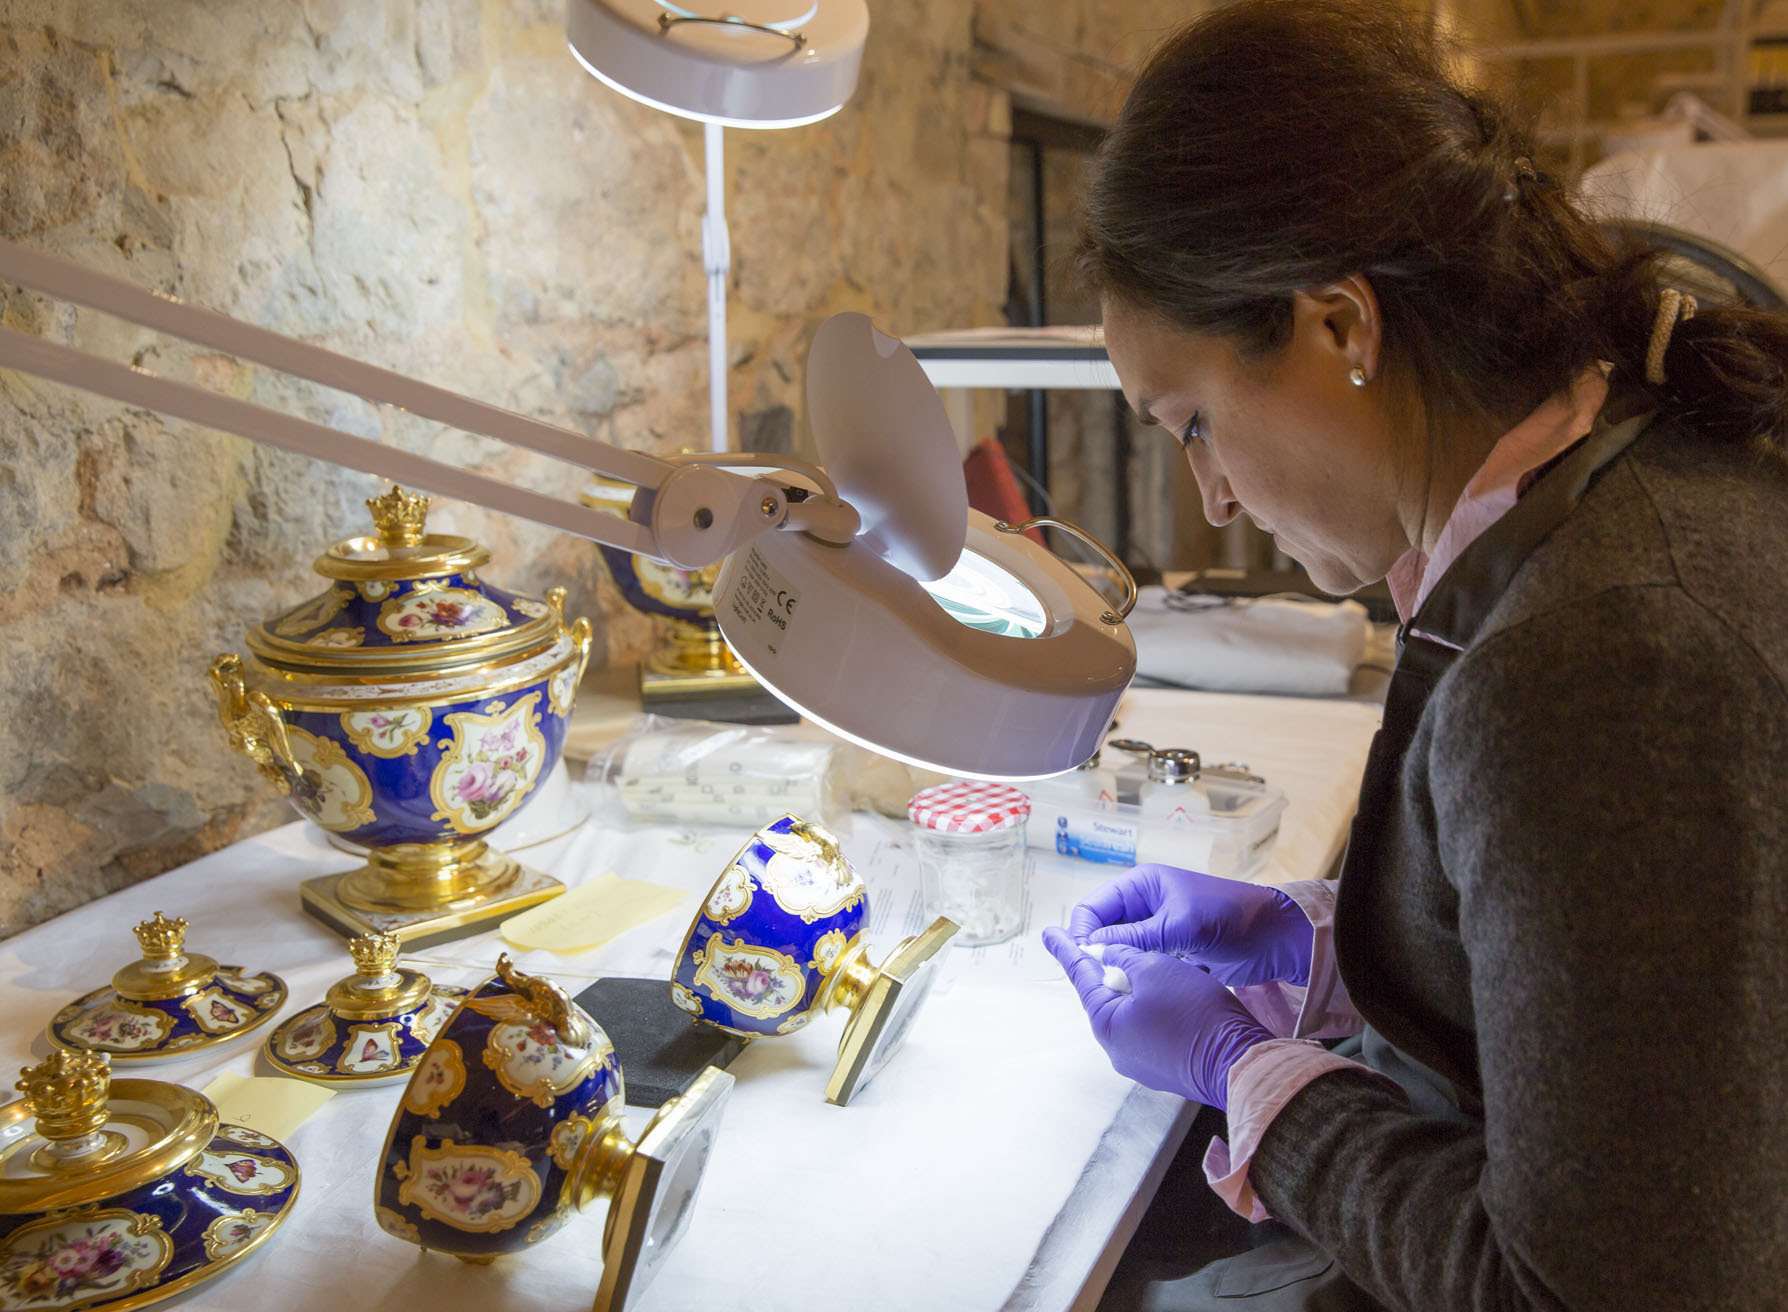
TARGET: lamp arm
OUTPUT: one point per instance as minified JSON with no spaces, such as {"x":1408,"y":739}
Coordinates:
{"x":691,"y":515}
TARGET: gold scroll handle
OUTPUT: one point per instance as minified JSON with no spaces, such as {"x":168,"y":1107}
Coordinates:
{"x":1127,"y":579}
{"x":579,"y":631}
{"x":253,"y":723}
{"x":548,"y":1003}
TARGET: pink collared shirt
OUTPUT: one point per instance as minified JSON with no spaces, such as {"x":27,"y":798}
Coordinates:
{"x":1270,"y":1074}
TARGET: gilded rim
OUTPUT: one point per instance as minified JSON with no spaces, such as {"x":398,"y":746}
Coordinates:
{"x":201,"y":1274}
{"x":194,"y":1126}
{"x":286,"y":688}
{"x":402,"y":1072}
{"x":284,"y":654}
{"x":262,"y":1016}
{"x":450,"y":554}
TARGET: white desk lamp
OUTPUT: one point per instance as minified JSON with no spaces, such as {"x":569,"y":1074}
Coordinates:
{"x":762,"y":64}
{"x":865,"y":594}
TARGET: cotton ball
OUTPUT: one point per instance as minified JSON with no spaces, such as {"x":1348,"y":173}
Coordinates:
{"x":1116,"y":980}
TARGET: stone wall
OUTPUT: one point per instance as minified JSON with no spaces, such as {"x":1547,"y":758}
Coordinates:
{"x":433,"y":186}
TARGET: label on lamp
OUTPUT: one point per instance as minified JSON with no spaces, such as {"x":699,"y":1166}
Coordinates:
{"x":763,"y":600}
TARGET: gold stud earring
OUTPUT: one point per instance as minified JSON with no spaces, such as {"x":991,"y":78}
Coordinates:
{"x":1357,"y":376}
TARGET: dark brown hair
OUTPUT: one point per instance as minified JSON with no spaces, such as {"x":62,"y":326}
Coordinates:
{"x":1275,"y":145}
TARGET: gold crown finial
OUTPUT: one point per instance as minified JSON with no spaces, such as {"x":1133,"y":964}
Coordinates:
{"x":399,"y":516}
{"x":161,"y":938}
{"x":375,"y":955}
{"x":67,"y":1092}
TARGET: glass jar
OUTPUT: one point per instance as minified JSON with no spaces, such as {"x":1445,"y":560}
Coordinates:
{"x":972,"y":858}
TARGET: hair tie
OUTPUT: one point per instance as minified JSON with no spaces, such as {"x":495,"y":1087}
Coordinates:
{"x":1672,"y":306}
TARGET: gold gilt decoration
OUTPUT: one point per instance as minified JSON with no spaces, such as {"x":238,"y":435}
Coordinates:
{"x":161,"y":939}
{"x":67,"y":1091}
{"x":375,"y":955}
{"x":253,"y":723}
{"x":547,"y":1002}
{"x":399,"y":516}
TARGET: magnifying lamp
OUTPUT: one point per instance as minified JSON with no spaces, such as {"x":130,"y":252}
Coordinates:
{"x":863,"y":591}
{"x":758,"y":64}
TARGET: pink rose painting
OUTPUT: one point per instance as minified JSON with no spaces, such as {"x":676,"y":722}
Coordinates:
{"x":470,"y":1190}
{"x":67,"y":1265}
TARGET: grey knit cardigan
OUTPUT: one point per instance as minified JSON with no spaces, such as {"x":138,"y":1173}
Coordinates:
{"x":1581,"y":926}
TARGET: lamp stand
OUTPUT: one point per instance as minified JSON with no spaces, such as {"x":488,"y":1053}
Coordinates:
{"x":717,"y":258}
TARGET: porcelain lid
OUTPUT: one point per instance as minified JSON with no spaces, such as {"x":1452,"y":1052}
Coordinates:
{"x":76,"y":1137}
{"x":405,"y":601}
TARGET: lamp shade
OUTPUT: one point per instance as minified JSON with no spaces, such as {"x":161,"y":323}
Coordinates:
{"x":757,"y":64}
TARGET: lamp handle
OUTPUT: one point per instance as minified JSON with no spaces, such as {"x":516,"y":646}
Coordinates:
{"x":667,"y":21}
{"x":1128,"y":579}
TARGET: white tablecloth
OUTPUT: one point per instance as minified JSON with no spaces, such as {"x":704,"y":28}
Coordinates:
{"x":988,"y":1167}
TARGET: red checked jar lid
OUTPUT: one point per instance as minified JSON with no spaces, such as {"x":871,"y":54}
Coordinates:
{"x":964,"y":806}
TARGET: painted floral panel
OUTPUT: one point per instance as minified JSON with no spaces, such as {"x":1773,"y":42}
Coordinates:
{"x":439,"y":1078}
{"x":757,"y":981}
{"x":470,"y":1187}
{"x":806,"y":873}
{"x":531,"y":1062}
{"x":328,"y":787}
{"x":731,"y":895}
{"x":77,"y":1260}
{"x":306,"y":1036}
{"x":119,"y":1026}
{"x":388,"y":733}
{"x":692,"y":589}
{"x":494,"y":762}
{"x":419,"y":616}
{"x":235,"y":1231}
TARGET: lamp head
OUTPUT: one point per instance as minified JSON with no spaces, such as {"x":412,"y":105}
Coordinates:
{"x":935,"y":636}
{"x":748,"y":64}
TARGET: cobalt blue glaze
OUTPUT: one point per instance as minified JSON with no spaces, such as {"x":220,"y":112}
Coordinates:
{"x":231,"y":1002}
{"x":650,"y":595}
{"x":202,"y":1215}
{"x":349,"y":608}
{"x":318,"y":1044}
{"x":771,"y":932}
{"x":403,"y":803}
{"x":481,"y":1150}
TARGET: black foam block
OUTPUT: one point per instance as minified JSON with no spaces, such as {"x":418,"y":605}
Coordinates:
{"x":662,"y":1049}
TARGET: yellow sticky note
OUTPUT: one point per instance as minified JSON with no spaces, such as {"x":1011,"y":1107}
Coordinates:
{"x":272,"y":1106}
{"x":590,"y":915}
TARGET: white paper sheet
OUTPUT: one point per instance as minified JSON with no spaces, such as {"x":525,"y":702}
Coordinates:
{"x":941,"y":1186}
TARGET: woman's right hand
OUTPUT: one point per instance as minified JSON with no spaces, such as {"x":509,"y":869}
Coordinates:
{"x":1242,"y":933}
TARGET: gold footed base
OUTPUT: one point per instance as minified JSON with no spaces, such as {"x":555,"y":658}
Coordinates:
{"x":471,"y":898}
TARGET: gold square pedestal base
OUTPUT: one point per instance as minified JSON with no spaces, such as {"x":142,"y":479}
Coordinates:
{"x":424,"y":928}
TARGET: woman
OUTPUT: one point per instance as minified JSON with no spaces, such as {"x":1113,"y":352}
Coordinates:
{"x":1561,"y":933}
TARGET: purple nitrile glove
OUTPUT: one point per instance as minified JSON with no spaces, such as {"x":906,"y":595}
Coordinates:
{"x":1177,"y":1029}
{"x":1242,"y":933}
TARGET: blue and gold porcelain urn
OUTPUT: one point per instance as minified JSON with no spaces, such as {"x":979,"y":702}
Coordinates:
{"x":170,"y":1004}
{"x":119,"y":1194}
{"x":779,"y":940}
{"x":410,"y":708}
{"x":512,"y":1121}
{"x":691,"y":662}
{"x":371,"y":1028}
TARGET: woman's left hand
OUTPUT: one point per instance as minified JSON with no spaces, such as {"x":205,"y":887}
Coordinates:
{"x":1177,"y":1029}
